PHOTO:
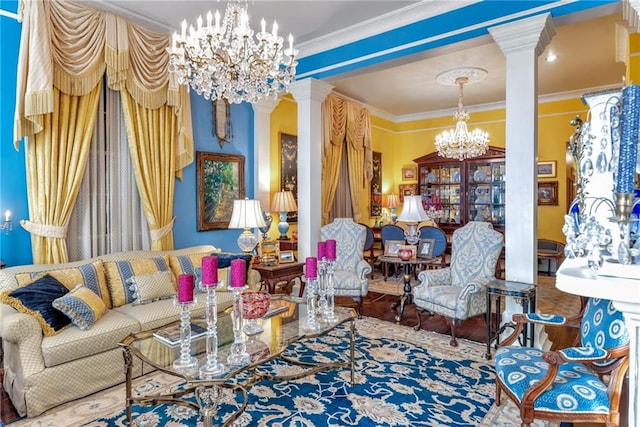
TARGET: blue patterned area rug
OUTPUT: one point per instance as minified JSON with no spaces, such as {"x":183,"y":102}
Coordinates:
{"x":398,"y":383}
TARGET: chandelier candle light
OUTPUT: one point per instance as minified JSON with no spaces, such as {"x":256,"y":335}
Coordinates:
{"x":212,"y":367}
{"x":459,"y":143}
{"x":238,"y":355}
{"x":185,"y":300}
{"x":221,"y":59}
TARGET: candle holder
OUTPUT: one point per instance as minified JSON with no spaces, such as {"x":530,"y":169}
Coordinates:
{"x":329,"y":314}
{"x":238,"y":355}
{"x":185,"y":362}
{"x":212,"y":367}
{"x":321,"y":287}
{"x":312,"y":305}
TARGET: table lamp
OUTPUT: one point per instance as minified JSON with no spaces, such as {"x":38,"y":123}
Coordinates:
{"x":412,"y":213}
{"x":247,"y":214}
{"x":283,"y":202}
{"x":392,"y":203}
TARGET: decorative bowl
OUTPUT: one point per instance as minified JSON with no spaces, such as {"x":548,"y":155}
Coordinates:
{"x":405,"y":254}
{"x":255,"y":304}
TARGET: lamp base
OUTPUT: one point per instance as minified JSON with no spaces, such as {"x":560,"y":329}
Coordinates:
{"x":283,"y":226}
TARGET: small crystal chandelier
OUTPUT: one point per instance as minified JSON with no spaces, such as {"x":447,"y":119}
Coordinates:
{"x":223,"y":60}
{"x":459,"y":143}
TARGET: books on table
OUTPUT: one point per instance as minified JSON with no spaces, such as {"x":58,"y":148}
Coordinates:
{"x":171,"y":334}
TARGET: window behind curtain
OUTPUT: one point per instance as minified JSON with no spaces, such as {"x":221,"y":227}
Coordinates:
{"x":108,"y":216}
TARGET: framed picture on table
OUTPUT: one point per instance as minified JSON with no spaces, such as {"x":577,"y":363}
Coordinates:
{"x":391,"y":247}
{"x":425,"y":248}
{"x":286,"y":256}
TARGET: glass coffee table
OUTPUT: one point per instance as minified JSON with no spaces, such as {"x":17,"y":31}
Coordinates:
{"x":282,"y":329}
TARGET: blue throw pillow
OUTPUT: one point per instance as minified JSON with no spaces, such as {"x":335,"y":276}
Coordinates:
{"x":36,"y":299}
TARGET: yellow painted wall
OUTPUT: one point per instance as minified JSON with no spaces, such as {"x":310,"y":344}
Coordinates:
{"x":400,"y":143}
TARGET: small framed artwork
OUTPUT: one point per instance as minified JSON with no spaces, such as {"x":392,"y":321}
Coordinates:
{"x":286,"y":256}
{"x":409,"y":173}
{"x":547,"y":169}
{"x":391,"y":247}
{"x":413,"y":248}
{"x":220,"y":181}
{"x":407,"y":190}
{"x":548,"y":193}
{"x":425,"y":248}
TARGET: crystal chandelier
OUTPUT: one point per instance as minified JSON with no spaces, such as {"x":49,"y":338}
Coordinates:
{"x":224,"y":60}
{"x":459,"y":143}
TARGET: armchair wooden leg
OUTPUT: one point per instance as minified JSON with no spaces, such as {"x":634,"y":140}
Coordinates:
{"x":454,"y":327}
{"x":419,"y":325}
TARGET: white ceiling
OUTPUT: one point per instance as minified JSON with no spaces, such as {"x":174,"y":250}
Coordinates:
{"x":585,"y":45}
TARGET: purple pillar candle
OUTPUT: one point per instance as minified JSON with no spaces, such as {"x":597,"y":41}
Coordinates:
{"x":209,"y":271}
{"x":322,"y":250}
{"x":185,"y":288}
{"x":238,"y":273}
{"x":311,"y":268}
{"x":331,"y":250}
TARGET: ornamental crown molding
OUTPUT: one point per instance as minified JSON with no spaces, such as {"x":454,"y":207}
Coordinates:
{"x":534,"y":32}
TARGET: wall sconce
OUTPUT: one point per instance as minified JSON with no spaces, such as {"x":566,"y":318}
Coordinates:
{"x":7,"y":225}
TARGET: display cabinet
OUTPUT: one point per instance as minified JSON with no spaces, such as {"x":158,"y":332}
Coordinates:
{"x":468,"y":190}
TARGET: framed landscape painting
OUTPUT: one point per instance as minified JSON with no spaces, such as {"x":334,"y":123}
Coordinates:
{"x":220,"y":181}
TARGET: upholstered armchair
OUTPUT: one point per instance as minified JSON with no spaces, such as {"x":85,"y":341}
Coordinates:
{"x":580,"y":384}
{"x":351,"y":269}
{"x":458,"y":292}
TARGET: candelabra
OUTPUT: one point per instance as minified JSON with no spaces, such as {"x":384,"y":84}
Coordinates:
{"x":185,"y":362}
{"x":238,"y":355}
{"x":212,"y":367}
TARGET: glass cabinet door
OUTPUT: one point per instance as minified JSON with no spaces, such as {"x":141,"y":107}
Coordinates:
{"x":486,"y":192}
{"x":440,"y":190}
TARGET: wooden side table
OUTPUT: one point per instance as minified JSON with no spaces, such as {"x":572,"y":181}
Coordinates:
{"x":525,"y":293}
{"x":274,"y":274}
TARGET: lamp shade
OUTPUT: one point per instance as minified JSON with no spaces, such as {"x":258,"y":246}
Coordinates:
{"x":392,"y":200}
{"x":246,"y":214}
{"x":412,"y":210}
{"x":283,"y":201}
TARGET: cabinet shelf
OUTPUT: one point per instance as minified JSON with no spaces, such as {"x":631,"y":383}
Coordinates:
{"x":468,"y":190}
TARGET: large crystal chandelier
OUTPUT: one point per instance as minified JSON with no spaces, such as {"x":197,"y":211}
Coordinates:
{"x":459,"y":143}
{"x":224,"y":60}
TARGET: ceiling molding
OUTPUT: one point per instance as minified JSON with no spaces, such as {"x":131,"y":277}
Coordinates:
{"x":380,"y":24}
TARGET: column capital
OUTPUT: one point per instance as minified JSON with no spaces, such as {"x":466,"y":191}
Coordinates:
{"x":310,"y":89}
{"x":533,"y":33}
{"x":630,"y":13}
{"x":265,"y":105}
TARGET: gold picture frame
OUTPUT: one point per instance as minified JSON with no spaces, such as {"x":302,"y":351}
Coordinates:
{"x":425,"y":248}
{"x":391,"y":247}
{"x":548,"y":193}
{"x":547,"y":169}
{"x":220,"y":181}
{"x":409,"y":173}
{"x":286,"y":257}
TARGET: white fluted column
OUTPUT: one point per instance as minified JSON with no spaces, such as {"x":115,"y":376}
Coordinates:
{"x":522,"y":42}
{"x":309,"y":94}
{"x":262,"y":151}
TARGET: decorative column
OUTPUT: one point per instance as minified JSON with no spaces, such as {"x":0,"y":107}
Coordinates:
{"x":522,"y":42}
{"x":309,"y":94}
{"x":262,"y":149}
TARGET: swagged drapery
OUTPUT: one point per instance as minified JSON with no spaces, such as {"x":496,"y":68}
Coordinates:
{"x":345,"y":122}
{"x":65,"y":50}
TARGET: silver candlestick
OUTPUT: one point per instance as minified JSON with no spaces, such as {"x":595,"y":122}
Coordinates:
{"x":238,"y":355}
{"x":212,"y":367}
{"x":185,"y":362}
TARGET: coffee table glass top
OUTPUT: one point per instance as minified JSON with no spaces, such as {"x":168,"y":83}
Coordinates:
{"x":281,"y":329}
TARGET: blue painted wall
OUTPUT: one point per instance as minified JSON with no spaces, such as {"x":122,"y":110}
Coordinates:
{"x":15,"y":247}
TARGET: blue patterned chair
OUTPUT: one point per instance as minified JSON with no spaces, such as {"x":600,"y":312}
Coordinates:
{"x":567,"y":384}
{"x":351,"y":269}
{"x":458,"y":292}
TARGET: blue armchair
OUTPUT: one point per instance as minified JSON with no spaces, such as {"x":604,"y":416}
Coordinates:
{"x":458,"y":292}
{"x":351,"y":269}
{"x":581,"y":384}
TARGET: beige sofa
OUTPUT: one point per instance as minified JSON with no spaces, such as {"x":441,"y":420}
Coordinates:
{"x":41,"y":372}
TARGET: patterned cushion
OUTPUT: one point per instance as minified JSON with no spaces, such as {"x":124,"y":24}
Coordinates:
{"x":475,"y":249}
{"x":152,"y":287}
{"x":575,"y":388}
{"x":82,"y":306}
{"x":36,"y":299}
{"x":90,"y":275}
{"x":119,"y":271}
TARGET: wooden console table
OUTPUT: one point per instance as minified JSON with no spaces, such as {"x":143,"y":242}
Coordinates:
{"x":274,"y":274}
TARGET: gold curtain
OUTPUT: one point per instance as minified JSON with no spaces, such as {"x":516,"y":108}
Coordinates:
{"x":151,"y":135}
{"x":68,"y":46}
{"x":345,"y":121}
{"x":55,"y":170}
